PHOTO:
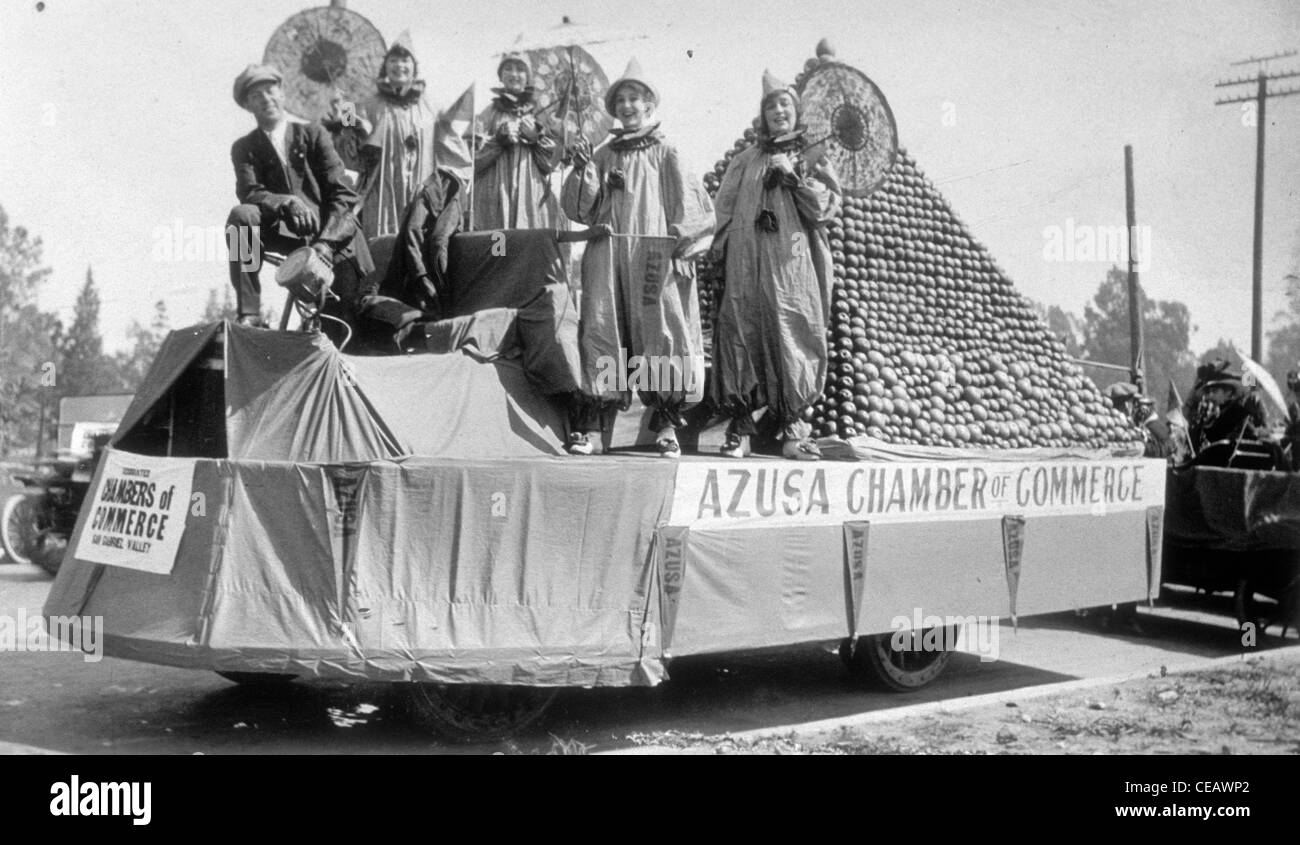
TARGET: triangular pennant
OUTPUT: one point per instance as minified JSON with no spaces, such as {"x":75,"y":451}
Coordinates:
{"x":453,"y":125}
{"x":460,"y":114}
{"x":1013,"y":547}
{"x":1155,"y":539}
{"x":855,"y":571}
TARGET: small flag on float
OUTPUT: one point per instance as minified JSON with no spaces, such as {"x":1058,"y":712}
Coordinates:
{"x":1013,"y":547}
{"x":454,"y":124}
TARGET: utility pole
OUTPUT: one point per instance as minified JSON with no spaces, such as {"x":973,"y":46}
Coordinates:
{"x":1136,"y":364}
{"x":1261,"y":95}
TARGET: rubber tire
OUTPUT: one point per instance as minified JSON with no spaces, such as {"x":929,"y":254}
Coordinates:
{"x":17,"y":547}
{"x":50,"y":555}
{"x":875,"y":663}
{"x":1284,"y":611}
{"x":266,"y":680}
{"x":475,"y":713}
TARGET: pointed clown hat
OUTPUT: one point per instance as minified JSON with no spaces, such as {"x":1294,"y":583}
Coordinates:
{"x":515,"y":58}
{"x":632,"y":74}
{"x":773,"y":86}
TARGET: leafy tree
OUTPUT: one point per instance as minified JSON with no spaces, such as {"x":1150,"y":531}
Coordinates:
{"x":1225,"y":349}
{"x":1283,"y":348}
{"x":1166,"y":326}
{"x":85,"y":368}
{"x":133,"y":365}
{"x":225,"y":310}
{"x":20,"y":266}
{"x":27,"y":340}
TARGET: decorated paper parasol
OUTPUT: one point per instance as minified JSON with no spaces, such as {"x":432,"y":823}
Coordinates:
{"x":570,"y":82}
{"x":321,"y":49}
{"x":571,"y":93}
{"x":847,"y":114}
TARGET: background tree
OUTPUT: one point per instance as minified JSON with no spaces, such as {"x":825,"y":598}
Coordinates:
{"x":1225,"y":349}
{"x":84,"y":368}
{"x":1283,"y":350}
{"x":27,"y":340}
{"x":1167,"y":327}
{"x":224,"y":310}
{"x":133,"y":364}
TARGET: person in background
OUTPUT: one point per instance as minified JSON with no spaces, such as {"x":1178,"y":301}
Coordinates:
{"x":770,"y":345}
{"x":1225,"y":409}
{"x":1141,"y":409}
{"x":1291,"y":438}
{"x":409,"y":141}
{"x":515,"y":158}
{"x":639,"y":293}
{"x":348,"y":130}
{"x":292,"y":191}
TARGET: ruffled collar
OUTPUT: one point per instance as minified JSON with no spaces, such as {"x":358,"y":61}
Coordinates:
{"x":639,"y":139}
{"x":410,"y":96}
{"x":790,"y":142}
{"x":515,"y":104}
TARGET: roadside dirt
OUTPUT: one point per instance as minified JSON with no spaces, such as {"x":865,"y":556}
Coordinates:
{"x":1250,"y":707}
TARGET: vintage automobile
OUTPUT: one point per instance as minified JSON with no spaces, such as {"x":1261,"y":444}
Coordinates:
{"x":35,"y":524}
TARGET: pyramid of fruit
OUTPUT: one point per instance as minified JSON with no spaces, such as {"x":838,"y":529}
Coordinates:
{"x":930,"y":343}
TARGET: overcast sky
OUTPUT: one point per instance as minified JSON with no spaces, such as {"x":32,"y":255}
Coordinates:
{"x":118,"y":121}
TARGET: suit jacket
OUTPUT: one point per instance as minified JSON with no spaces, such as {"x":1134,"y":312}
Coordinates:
{"x":315,"y":174}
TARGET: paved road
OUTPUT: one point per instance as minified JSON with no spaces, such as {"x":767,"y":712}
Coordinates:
{"x":59,"y":701}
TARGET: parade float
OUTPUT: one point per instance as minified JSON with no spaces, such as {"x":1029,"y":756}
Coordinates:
{"x":273,"y":508}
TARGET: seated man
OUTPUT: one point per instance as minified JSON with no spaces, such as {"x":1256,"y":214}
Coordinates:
{"x":292,"y":192}
{"x":417,"y":273}
{"x":1127,"y":398}
{"x":1226,"y":410}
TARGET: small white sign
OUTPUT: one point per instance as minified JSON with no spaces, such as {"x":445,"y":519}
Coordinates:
{"x":137,"y":513}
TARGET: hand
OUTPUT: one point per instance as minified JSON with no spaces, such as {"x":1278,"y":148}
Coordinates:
{"x":300,"y":217}
{"x":600,"y":231}
{"x":782,"y":162}
{"x":580,"y":151}
{"x":429,"y":288}
{"x":508,"y":133}
{"x":440,"y":258}
{"x":683,"y":244}
{"x":528,"y":130}
{"x":325,"y":251}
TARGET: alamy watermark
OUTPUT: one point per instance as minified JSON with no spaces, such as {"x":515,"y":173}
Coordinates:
{"x":65,"y":633}
{"x":976,"y":635}
{"x":208,"y":244}
{"x":1106,"y":244}
{"x":651,"y":374}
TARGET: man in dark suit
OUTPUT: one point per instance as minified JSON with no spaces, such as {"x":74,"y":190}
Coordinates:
{"x":292,"y":191}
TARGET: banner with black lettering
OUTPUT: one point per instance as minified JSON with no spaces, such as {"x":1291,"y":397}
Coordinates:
{"x":137,"y":512}
{"x":721,"y":494}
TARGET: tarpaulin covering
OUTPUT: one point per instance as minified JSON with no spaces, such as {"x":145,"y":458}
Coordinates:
{"x":454,"y":406}
{"x":178,"y":351}
{"x":288,"y":396}
{"x":726,"y":589}
{"x":476,"y":557}
{"x":1233,"y":509}
{"x":501,"y":269}
{"x":534,"y":573}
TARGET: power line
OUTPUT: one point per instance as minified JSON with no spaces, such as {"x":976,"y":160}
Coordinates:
{"x":1262,"y":95}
